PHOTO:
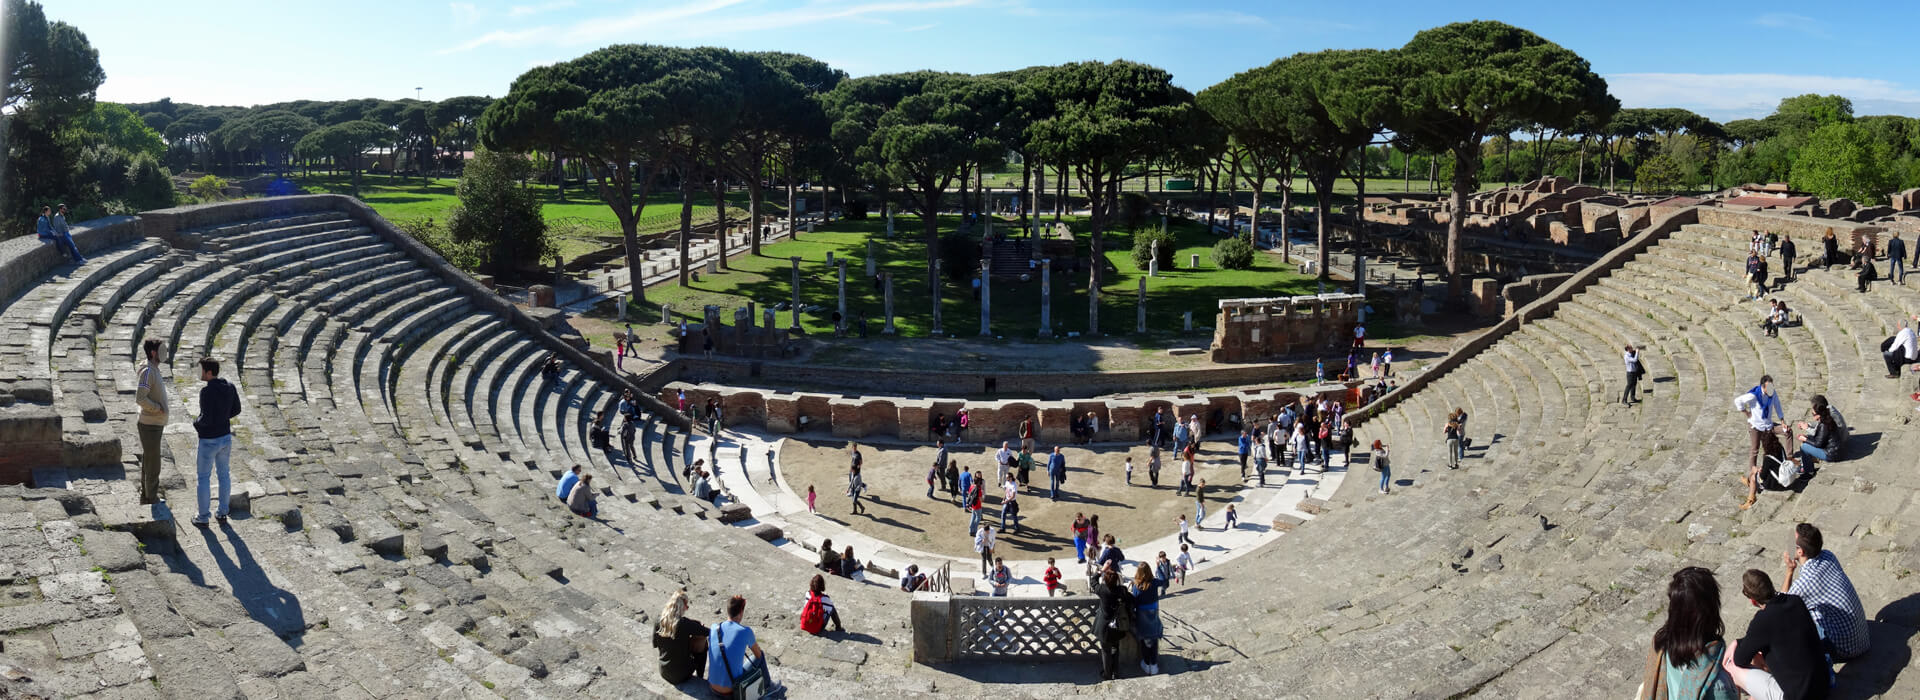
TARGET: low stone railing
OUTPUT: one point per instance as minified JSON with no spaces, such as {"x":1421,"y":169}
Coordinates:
{"x":956,"y":628}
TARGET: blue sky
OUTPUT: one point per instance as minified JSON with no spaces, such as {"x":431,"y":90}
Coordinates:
{"x":1725,"y":61}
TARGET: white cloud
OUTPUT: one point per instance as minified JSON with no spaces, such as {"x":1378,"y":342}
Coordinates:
{"x":526,"y":10}
{"x":919,"y":28}
{"x":1752,"y":95}
{"x":696,"y":20}
{"x":464,"y":12}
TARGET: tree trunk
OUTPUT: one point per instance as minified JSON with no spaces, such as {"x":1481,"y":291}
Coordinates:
{"x":1026,"y":180}
{"x":1465,"y":160}
{"x":1060,"y":194}
{"x":1322,"y":204}
{"x":930,"y":228}
{"x":1253,"y":222}
{"x":559,"y":175}
{"x":1580,"y":175}
{"x":755,"y":196}
{"x":720,"y":214}
{"x":1406,"y":172}
{"x":786,"y":168}
{"x":1433,"y":171}
{"x":686,"y":227}
{"x":1096,"y":247}
{"x":1212,"y":175}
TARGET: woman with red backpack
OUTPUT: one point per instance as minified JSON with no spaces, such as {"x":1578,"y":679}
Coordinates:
{"x":818,"y":609}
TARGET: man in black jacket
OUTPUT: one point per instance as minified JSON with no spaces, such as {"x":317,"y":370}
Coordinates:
{"x":219,"y":403}
{"x":1781,"y":656}
{"x":1897,"y":259}
{"x":1786,"y":258}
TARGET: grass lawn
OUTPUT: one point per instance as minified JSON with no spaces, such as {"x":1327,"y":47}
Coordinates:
{"x":409,"y":198}
{"x":767,"y":280}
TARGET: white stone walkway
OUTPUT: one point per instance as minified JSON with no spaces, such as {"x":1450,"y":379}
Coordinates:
{"x":778,"y":504}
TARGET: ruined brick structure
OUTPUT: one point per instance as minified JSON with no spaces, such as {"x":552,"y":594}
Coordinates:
{"x":1253,"y":330}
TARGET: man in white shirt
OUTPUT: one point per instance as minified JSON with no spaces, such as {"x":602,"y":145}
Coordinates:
{"x":1900,"y":349}
{"x":1004,"y":459}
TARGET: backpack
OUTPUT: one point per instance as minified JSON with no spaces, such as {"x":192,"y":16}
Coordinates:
{"x":813,"y":615}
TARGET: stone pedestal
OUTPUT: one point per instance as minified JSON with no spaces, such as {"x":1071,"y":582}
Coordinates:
{"x":1046,"y":298}
{"x":621,"y":301}
{"x":796,"y":292}
{"x":543,"y":296}
{"x":1193,"y":261}
{"x":1093,"y":306}
{"x":887,"y":292}
{"x":1140,"y":308}
{"x":1186,"y":321}
{"x":986,"y":297}
{"x":841,"y":271}
{"x":870,"y":261}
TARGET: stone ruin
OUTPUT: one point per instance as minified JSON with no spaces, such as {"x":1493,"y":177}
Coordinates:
{"x":764,"y":341}
{"x":1254,"y":330}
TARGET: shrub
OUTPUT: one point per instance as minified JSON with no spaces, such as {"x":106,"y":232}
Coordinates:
{"x":1233,"y":253}
{"x":1143,"y":248}
{"x":960,"y":254}
{"x":209,"y":188}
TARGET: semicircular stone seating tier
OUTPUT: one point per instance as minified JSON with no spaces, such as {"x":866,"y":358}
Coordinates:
{"x":399,"y":534}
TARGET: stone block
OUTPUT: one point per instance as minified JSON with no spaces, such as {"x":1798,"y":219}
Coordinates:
{"x":38,"y":391}
{"x":767,"y":532}
{"x":735,"y":512}
{"x":91,"y":449}
{"x":1286,"y":523}
{"x":1312,"y":506}
{"x":543,"y":296}
{"x":931,"y":616}
{"x":91,"y":408}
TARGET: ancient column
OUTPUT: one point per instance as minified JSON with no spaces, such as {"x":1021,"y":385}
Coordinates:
{"x":1360,"y":273}
{"x":796,"y":292}
{"x":986,"y":297}
{"x":870,"y":262}
{"x":1186,"y":319}
{"x":887,"y":290}
{"x":889,"y":224}
{"x":1046,"y":298}
{"x":1153,"y":263}
{"x":622,"y":300}
{"x":1140,"y":308}
{"x":842,"y":270}
{"x":937,"y":329}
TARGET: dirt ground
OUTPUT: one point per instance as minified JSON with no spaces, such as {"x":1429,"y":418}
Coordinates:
{"x":899,"y":511}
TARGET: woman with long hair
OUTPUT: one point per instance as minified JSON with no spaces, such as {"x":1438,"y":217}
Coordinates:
{"x":680,"y":642}
{"x":1146,"y":615}
{"x":1691,"y":641}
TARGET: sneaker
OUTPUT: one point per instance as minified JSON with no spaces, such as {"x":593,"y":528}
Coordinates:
{"x":221,"y":518}
{"x":199,"y":523}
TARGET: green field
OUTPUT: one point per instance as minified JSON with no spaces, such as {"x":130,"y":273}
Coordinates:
{"x":583,"y":223}
{"x":767,"y":280}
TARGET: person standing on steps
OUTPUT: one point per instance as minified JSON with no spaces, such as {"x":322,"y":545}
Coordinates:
{"x":1765,"y":414}
{"x":855,"y":487}
{"x":1896,"y":259}
{"x":1244,"y":448}
{"x":1631,"y":357}
{"x":151,"y":395}
{"x":1259,"y":457}
{"x":983,"y":543}
{"x":1199,"y":503}
{"x":219,"y":404}
{"x":1787,"y":252}
{"x":1452,"y":435}
{"x":1112,"y":619}
{"x":1757,"y":274}
{"x":1381,"y":464}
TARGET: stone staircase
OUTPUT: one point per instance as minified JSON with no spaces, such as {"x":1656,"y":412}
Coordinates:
{"x":398,"y":535}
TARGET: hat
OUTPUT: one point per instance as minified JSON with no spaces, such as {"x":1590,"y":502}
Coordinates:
{"x":62,"y":206}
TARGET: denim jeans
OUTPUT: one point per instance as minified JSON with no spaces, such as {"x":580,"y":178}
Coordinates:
{"x":214,"y":454}
{"x":1199,"y":513}
{"x":64,"y":242}
{"x":973,"y":523}
{"x":1386,"y":478}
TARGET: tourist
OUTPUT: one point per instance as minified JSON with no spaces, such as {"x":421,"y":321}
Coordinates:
{"x":1195,"y":431}
{"x":1244,"y":448}
{"x":1010,"y":505}
{"x":1184,"y":563}
{"x":1158,"y":432}
{"x":1830,"y":250}
{"x":1819,"y":439}
{"x":934,"y":473}
{"x":1691,"y":642}
{"x":1763,"y":416}
{"x":727,"y":650}
{"x":1319,"y":370}
{"x":818,"y":609}
{"x":1128,"y":468}
{"x":1162,"y":573}
{"x":1093,"y":537}
{"x":829,"y":558}
{"x":963,"y":420}
{"x":713,"y":416}
{"x":976,"y":501}
{"x":1003,"y":460}
{"x":1781,"y":656}
{"x":630,"y":427}
{"x":150,"y":395}
{"x":1056,"y":473}
{"x":1153,"y":465}
{"x":1381,"y":464}
{"x":1298,"y":446}
{"x":1109,"y":553}
{"x":856,"y":486}
{"x":1814,"y":574}
{"x":1026,"y":435}
{"x":680,"y":642}
{"x":983,"y":543}
{"x":1233,"y":519}
{"x":567,"y":481}
{"x":1460,"y":419}
{"x":1902,"y":349}
{"x":966,"y":487}
{"x":1185,"y":537}
{"x":1386,"y":363}
{"x":1897,"y":259}
{"x":1080,"y":537}
{"x":1200,"y":503}
{"x":1260,"y":456}
{"x":770,"y":470}
{"x":913,"y":581}
{"x":849,"y":567}
{"x":1864,"y":272}
{"x":698,"y":466}
{"x":810,"y":498}
{"x":580,"y":499}
{"x":1024,"y":467}
{"x":1113,"y":618}
{"x":1001,"y":577}
{"x":1146,"y":617}
{"x":1452,"y":434}
{"x":953,"y":478}
{"x":1787,"y":251}
{"x":219,"y":404}
{"x":1631,"y":357}
{"x":58,"y":235}
{"x":550,"y":371}
{"x":1757,"y":274}
{"x":1775,"y":318}
{"x":940,"y":459}
{"x":1052,"y":579}
{"x":597,"y":433}
{"x":1180,"y":436}
{"x":1759,"y":476}
{"x":1359,"y":337}
{"x":620,"y":350}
